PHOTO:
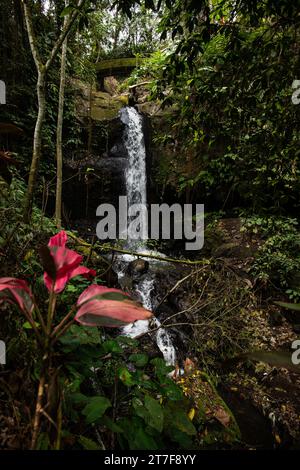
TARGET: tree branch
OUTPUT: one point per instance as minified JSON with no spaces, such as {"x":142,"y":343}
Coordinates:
{"x":31,"y":36}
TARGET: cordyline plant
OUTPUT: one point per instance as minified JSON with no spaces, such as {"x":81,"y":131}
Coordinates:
{"x":96,"y":306}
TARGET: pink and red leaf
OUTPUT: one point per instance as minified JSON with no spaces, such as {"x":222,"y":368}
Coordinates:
{"x":67,"y":264}
{"x":103,"y":306}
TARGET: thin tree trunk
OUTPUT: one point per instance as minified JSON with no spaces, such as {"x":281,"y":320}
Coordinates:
{"x":90,"y":122}
{"x":59,"y":153}
{"x":42,"y":69}
{"x":37,"y":144}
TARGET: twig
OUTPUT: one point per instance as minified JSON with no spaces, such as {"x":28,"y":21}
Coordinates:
{"x":62,"y":331}
{"x":91,"y":251}
{"x":36,"y":423}
{"x":60,"y":326}
{"x":43,"y":412}
{"x":178,"y":283}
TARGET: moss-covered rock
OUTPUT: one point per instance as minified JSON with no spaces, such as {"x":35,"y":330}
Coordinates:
{"x":106,"y":107}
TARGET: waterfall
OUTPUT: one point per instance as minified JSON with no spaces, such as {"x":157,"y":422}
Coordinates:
{"x":135,"y":173}
{"x":136,"y":189}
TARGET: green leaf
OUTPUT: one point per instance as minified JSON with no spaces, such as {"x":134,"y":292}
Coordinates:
{"x":290,"y":306}
{"x":80,"y":335}
{"x":95,"y":409}
{"x":110,"y":424}
{"x":27,"y":325}
{"x":89,"y":444}
{"x":161,"y":369}
{"x":181,"y":421}
{"x":274,"y":358}
{"x":66,"y":11}
{"x":150,"y":411}
{"x":79,"y":398}
{"x":172,"y":391}
{"x":140,"y":360}
{"x":127,"y":341}
{"x":156,"y":416}
{"x":182,"y":438}
{"x":112,"y":346}
{"x":135,"y":434}
{"x":125,"y":376}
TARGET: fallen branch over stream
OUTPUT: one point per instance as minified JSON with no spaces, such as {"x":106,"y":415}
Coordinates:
{"x":106,"y":248}
{"x":160,"y":258}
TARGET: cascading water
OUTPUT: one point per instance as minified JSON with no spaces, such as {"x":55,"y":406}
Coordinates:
{"x":135,"y":173}
{"x":136,"y":188}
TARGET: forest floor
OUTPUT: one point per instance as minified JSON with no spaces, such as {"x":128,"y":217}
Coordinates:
{"x":256,"y":391}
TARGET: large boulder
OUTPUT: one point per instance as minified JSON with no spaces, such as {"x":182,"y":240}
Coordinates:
{"x":138,"y":267}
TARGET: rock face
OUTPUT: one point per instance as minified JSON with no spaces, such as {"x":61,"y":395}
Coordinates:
{"x":95,"y":177}
{"x":97,"y":105}
{"x":105,"y":107}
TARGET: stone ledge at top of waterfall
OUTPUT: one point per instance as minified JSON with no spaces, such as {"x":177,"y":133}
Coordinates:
{"x":157,"y":221}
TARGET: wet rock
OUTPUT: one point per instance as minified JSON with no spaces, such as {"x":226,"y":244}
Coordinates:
{"x":126,"y":283}
{"x":138,"y":266}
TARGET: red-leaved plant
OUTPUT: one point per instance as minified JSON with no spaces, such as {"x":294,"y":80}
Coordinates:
{"x":96,"y":306}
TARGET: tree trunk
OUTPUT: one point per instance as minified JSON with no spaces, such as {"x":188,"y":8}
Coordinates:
{"x":59,"y":152}
{"x":42,"y":70}
{"x":37,"y":144}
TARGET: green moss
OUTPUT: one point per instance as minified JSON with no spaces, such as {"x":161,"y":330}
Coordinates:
{"x":105,"y":107}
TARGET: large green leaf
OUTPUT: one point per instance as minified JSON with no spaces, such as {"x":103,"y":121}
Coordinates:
{"x":150,"y":411}
{"x":95,"y":408}
{"x":80,"y":335}
{"x":143,"y":441}
{"x":155,"y":417}
{"x":184,"y":440}
{"x":110,"y":424}
{"x":136,"y":435}
{"x":140,"y":360}
{"x":290,"y":306}
{"x":112,"y":346}
{"x":125,"y":376}
{"x":89,"y":444}
{"x":274,"y":358}
{"x":181,"y":421}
